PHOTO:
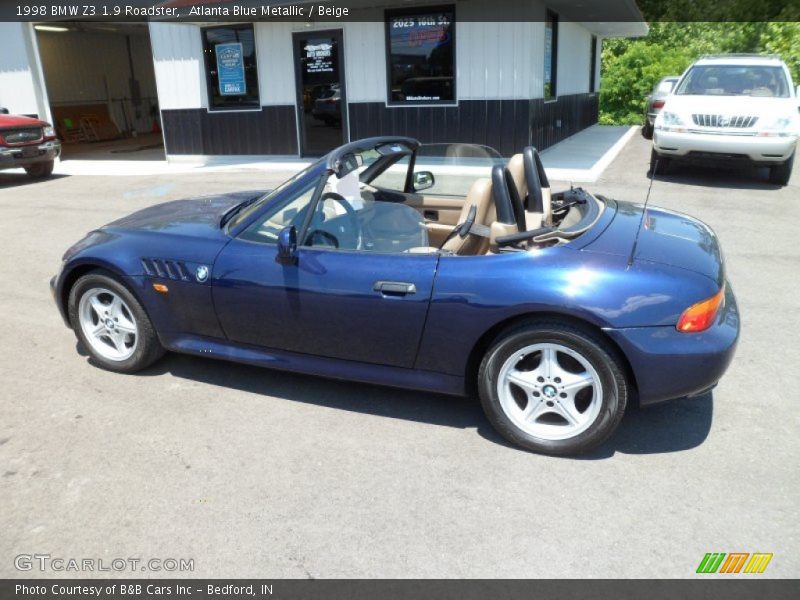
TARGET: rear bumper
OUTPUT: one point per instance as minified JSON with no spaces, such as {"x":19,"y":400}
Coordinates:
{"x":751,"y":148}
{"x":668,"y":364}
{"x":13,"y":157}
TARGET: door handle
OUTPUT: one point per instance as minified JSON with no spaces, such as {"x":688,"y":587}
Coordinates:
{"x":431,"y":215}
{"x":395,"y":288}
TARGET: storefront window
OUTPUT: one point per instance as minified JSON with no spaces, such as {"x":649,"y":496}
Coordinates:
{"x":231,"y":69}
{"x":421,"y":55}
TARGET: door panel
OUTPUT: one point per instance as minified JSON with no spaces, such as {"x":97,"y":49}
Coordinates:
{"x":327,"y":304}
{"x":441,"y":214}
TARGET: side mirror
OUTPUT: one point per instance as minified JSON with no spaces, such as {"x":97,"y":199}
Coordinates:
{"x":423,"y":180}
{"x":287,"y":246}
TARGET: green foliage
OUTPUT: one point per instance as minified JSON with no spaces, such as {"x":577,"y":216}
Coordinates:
{"x":631,"y":67}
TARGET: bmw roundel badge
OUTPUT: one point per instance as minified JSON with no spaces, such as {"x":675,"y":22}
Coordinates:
{"x":201,"y":273}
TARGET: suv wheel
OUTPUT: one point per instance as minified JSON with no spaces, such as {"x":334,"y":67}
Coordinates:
{"x":40,"y":170}
{"x":780,"y":174}
{"x":658,"y":164}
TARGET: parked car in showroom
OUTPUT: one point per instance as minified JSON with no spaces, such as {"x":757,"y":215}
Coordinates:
{"x":556,"y":309}
{"x":655,"y":102}
{"x":28,"y":143}
{"x":731,"y":110}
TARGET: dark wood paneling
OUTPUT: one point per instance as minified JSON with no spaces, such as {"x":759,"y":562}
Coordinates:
{"x":506,"y":125}
{"x":271,"y":130}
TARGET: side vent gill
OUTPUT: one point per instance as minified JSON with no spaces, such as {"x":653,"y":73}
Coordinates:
{"x":166,"y":269}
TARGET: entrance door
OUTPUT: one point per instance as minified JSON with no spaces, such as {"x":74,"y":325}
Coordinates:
{"x":319,"y":71}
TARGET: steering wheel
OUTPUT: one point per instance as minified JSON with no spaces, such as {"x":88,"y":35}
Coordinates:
{"x":328,"y":237}
{"x":350,"y":215}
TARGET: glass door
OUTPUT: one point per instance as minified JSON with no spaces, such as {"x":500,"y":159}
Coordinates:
{"x":319,"y":69}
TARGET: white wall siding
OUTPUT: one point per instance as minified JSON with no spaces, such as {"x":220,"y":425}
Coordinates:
{"x":574,"y":55}
{"x":21,"y":87}
{"x":275,"y":63}
{"x":179,"y":69}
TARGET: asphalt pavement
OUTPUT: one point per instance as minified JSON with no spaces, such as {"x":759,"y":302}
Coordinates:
{"x":250,"y":472}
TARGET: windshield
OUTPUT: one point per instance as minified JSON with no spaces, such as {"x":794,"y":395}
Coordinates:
{"x":734,"y":80}
{"x":242,"y":216}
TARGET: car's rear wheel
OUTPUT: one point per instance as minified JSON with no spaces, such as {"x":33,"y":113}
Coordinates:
{"x":111,"y":324}
{"x":553,"y":388}
{"x":780,"y":174}
{"x":40,"y":170}
{"x":658,"y":164}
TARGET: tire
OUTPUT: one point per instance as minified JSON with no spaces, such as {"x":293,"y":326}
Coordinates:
{"x":125,"y":341}
{"x":780,"y":174}
{"x":40,"y":170}
{"x":546,"y":416}
{"x":647,"y":131}
{"x":658,"y":164}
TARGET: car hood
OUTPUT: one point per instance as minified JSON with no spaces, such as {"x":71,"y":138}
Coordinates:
{"x":666,"y":237}
{"x":19,"y":121}
{"x":191,"y":216}
{"x":763,"y":107}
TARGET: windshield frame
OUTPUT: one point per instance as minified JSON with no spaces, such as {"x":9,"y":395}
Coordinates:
{"x":239,"y":221}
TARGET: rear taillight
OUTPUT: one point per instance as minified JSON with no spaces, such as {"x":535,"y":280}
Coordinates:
{"x":700,"y":316}
{"x":658,"y":104}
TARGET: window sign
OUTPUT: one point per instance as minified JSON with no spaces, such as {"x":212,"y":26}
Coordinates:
{"x":230,"y":66}
{"x":319,"y":58}
{"x":229,"y":53}
{"x":421,"y":49}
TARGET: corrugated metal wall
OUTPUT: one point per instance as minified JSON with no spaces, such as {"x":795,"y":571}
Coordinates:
{"x":574,"y":55}
{"x":82,"y":67}
{"x":179,"y":70}
{"x":21,"y":89}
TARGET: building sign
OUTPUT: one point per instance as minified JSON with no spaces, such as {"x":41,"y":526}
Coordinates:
{"x":230,"y":69}
{"x":319,"y":58}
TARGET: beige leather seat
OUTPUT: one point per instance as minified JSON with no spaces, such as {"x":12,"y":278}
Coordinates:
{"x":533,"y":220}
{"x":480,"y":196}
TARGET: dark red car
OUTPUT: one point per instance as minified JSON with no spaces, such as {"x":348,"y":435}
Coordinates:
{"x":28,"y":143}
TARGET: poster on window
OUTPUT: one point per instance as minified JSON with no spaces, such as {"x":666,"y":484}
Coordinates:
{"x":230,"y":69}
{"x":422,"y":57}
{"x":319,"y":57}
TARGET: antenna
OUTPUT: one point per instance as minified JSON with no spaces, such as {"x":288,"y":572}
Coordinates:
{"x":644,"y":212}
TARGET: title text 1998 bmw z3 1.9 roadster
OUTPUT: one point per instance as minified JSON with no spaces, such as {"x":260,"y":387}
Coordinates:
{"x":377,"y":264}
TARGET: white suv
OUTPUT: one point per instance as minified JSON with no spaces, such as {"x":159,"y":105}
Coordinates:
{"x":734,"y":108}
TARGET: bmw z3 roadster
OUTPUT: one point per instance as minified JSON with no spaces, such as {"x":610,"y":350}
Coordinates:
{"x":444,"y":269}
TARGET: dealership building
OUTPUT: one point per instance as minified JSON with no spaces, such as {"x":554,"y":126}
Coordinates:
{"x":503,"y":73}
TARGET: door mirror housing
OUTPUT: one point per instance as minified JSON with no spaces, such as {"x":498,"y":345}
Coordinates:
{"x":287,"y":246}
{"x":423,"y":180}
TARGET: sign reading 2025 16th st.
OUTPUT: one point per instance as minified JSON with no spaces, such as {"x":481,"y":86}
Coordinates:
{"x":230,"y":69}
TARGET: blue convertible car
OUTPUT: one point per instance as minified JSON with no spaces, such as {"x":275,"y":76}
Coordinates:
{"x":450,"y":271}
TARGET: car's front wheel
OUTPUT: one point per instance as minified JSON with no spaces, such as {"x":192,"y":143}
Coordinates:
{"x":553,"y":388}
{"x":40,"y":170}
{"x":780,"y":174}
{"x":111,"y":324}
